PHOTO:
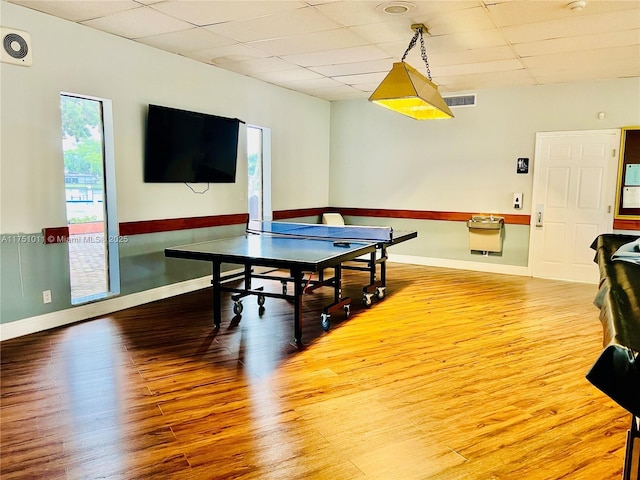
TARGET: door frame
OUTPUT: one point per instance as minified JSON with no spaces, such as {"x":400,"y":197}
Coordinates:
{"x":612,"y":175}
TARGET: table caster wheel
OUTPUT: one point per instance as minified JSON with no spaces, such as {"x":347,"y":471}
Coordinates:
{"x":325,"y":321}
{"x":237,"y":308}
{"x":261,"y":299}
{"x":366,"y":299}
{"x":347,"y":310}
{"x":380,"y":292}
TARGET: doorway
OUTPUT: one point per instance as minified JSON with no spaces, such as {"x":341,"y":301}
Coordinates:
{"x":573,"y":198}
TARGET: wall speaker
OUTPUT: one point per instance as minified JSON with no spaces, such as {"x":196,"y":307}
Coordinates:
{"x":16,"y":47}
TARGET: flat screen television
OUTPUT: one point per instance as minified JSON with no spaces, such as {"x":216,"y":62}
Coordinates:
{"x":192,"y":147}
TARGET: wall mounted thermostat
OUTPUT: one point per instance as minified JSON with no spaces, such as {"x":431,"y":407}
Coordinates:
{"x":517,"y":201}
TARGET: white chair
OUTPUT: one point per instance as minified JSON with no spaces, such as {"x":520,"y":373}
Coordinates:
{"x":332,"y":219}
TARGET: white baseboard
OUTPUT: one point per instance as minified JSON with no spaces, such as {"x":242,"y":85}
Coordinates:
{"x":39,"y":323}
{"x":461,"y":265}
{"x":47,"y":321}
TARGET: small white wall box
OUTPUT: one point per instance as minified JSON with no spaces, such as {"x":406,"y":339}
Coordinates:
{"x":485,"y":233}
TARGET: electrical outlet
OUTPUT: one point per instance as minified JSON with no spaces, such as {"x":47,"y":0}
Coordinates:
{"x":46,"y":296}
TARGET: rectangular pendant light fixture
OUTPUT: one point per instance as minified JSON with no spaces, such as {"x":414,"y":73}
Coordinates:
{"x":407,"y":91}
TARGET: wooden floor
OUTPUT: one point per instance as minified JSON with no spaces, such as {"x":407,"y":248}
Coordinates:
{"x":454,"y":375}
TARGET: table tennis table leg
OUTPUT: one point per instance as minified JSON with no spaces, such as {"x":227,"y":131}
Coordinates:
{"x":372,"y":268}
{"x":383,"y":265}
{"x":298,"y":291}
{"x":215,"y":281}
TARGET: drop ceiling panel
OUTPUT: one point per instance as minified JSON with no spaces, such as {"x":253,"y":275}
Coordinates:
{"x":596,"y":58}
{"x":261,"y":65}
{"x":582,"y":42}
{"x":313,"y":83}
{"x":309,"y":43}
{"x":286,"y":24}
{"x":79,"y":11}
{"x":294,"y":75}
{"x":517,"y":13}
{"x":137,"y":22}
{"x":458,"y":21}
{"x":472,"y":56}
{"x":185,"y":41}
{"x":203,"y":13}
{"x":475,"y":68}
{"x":464,"y":41}
{"x":354,"y":13}
{"x":574,"y":26}
{"x":613,"y":71}
{"x":227,"y":54}
{"x":341,"y":55}
{"x":362,"y":79}
{"x":398,"y":31}
{"x":479,"y":81}
{"x":383,"y":65}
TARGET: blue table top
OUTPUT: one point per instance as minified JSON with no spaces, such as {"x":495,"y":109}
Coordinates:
{"x":267,"y":250}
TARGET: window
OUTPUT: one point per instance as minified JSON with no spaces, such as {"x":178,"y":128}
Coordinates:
{"x":259,"y":172}
{"x":89,"y":176}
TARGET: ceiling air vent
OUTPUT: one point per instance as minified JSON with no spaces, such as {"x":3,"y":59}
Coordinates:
{"x":461,"y":100}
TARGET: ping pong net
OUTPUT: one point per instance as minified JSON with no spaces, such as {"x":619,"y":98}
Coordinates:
{"x":321,"y":231}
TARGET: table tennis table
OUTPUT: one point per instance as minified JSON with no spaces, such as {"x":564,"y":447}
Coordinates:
{"x":300,"y":249}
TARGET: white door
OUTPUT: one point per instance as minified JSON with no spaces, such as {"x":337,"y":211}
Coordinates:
{"x":573,"y":199}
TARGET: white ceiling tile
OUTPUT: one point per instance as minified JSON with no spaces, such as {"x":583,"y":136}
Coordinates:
{"x":312,"y":83}
{"x":332,"y":57}
{"x":573,"y":26}
{"x":573,"y":75}
{"x":260,"y":65}
{"x":227,"y":54}
{"x":355,"y":12}
{"x":293,"y":75}
{"x":457,"y":21}
{"x":364,"y":78}
{"x":442,"y":44}
{"x":517,"y":13}
{"x":477,"y":55}
{"x":137,"y":22}
{"x":308,"y":43}
{"x":184,"y":41}
{"x":76,"y":11}
{"x":211,"y":12}
{"x":630,"y":54}
{"x":383,"y":65}
{"x":582,"y":42}
{"x":466,"y":83}
{"x":464,"y":41}
{"x":285,"y":24}
{"x":476,"y":68}
{"x":339,"y":92}
{"x":393,"y":31}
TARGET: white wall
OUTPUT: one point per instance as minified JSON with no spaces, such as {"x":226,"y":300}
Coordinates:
{"x":72,"y":58}
{"x":381,"y":159}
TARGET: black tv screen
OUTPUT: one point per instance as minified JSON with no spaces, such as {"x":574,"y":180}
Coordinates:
{"x":183,"y":146}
